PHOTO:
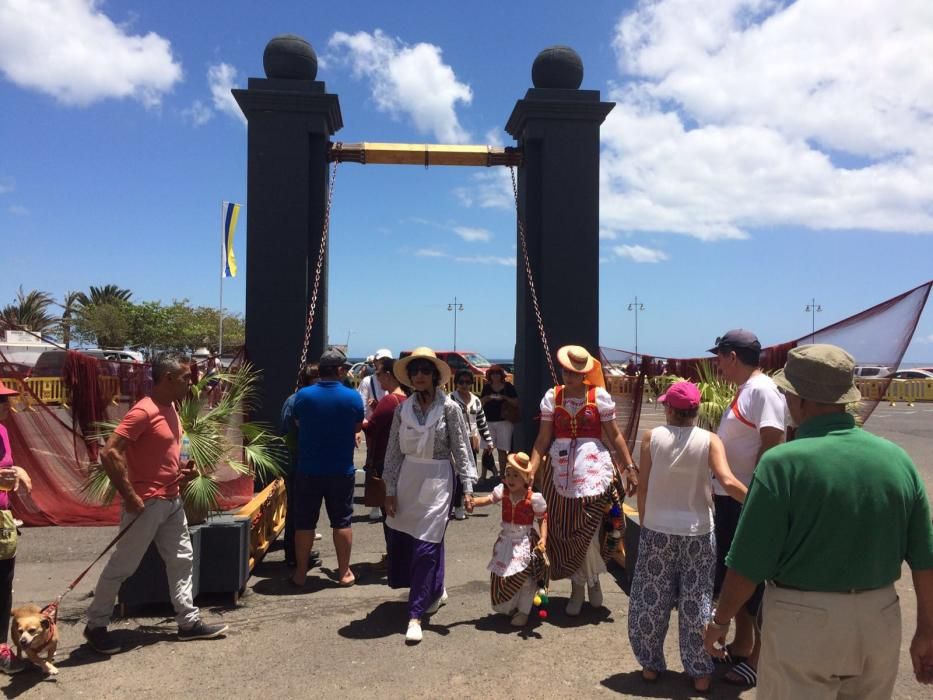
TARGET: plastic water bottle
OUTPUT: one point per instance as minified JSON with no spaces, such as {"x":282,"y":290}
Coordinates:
{"x":185,"y":452}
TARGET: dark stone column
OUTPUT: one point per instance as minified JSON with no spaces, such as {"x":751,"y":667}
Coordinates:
{"x":557,"y":127}
{"x":291,"y":118}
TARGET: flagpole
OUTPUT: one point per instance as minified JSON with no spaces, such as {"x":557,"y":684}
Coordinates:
{"x":223,"y":265}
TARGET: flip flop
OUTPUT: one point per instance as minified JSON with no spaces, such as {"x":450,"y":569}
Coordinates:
{"x":347,"y":584}
{"x":729,"y":658}
{"x":742,"y":675}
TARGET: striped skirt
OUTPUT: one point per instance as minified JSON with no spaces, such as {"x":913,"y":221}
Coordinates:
{"x":573,"y":522}
{"x":503,"y":588}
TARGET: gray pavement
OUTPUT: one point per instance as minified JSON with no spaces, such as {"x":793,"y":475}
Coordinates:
{"x":327,"y":640}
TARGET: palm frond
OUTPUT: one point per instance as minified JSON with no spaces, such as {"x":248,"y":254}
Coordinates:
{"x":266,"y":453}
{"x":97,"y":487}
{"x":715,"y":394}
{"x":201,"y":494}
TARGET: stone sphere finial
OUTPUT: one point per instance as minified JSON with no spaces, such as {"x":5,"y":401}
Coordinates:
{"x":557,"y":67}
{"x":289,"y":56}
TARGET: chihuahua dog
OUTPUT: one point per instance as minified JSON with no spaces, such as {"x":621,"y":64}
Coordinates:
{"x":35,"y":633}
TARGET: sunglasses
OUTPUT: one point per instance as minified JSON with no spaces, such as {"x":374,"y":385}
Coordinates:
{"x":420,"y":368}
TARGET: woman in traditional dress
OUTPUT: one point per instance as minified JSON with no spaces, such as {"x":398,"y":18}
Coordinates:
{"x":429,"y":439}
{"x":518,"y":563}
{"x":579,"y":484}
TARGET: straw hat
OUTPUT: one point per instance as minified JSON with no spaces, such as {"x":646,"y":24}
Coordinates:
{"x":519,"y":462}
{"x":576,"y":358}
{"x":423,"y":353}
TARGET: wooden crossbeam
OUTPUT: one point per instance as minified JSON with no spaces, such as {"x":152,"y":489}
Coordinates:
{"x":425,"y":154}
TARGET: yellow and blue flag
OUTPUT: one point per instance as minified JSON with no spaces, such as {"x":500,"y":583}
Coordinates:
{"x":231,"y":213}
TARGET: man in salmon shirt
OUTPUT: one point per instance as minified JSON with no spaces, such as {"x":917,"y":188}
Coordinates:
{"x":142,"y":460}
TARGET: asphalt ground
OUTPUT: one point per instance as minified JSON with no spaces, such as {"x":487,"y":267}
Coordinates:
{"x":329,"y":641}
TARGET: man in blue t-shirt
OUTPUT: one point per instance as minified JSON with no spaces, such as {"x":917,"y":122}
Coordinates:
{"x":328,"y":415}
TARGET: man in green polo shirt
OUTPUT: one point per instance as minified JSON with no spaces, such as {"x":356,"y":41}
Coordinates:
{"x":828,"y":520}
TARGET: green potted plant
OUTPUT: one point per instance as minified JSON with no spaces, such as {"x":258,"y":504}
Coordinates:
{"x":215,"y":433}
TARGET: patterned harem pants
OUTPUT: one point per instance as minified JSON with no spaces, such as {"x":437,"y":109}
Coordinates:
{"x":668,"y":564}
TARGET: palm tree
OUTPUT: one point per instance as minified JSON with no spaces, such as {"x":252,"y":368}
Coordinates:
{"x":29,"y":312}
{"x":208,"y":435}
{"x":108,"y":294}
{"x":70,"y":303}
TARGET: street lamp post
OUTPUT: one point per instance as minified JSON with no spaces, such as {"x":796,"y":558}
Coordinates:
{"x":812,"y":308}
{"x":455,"y":307}
{"x":636,"y":307}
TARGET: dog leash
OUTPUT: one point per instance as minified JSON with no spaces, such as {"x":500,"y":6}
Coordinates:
{"x":52,"y":608}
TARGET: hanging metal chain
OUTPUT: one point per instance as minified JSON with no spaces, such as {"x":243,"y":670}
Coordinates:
{"x":531,"y":282}
{"x":317,"y":271}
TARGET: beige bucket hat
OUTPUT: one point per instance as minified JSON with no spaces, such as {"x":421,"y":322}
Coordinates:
{"x":821,"y":373}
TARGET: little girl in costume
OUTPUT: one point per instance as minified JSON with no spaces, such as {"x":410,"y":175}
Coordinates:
{"x":518,"y":561}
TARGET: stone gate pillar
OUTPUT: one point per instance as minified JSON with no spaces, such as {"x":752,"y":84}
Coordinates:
{"x":291,"y":119}
{"x":557,"y":128}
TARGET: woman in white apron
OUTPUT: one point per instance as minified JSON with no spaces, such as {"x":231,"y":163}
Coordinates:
{"x":428,"y":440}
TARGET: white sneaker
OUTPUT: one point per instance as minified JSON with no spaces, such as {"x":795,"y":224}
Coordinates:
{"x":459,"y":514}
{"x":575,"y":604}
{"x":375,"y":514}
{"x":595,"y":594}
{"x":414,"y":634}
{"x":435,"y":606}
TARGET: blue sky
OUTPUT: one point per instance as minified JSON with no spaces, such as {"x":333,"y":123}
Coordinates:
{"x":761,"y":154}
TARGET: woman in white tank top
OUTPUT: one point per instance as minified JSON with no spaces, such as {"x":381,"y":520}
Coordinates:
{"x":676,"y":551}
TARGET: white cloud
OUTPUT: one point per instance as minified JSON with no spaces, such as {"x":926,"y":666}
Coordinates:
{"x":18,"y":210}
{"x":407,"y":80}
{"x":472,"y":234}
{"x":738,"y":114}
{"x":222,"y":78}
{"x":507,"y":261}
{"x":198,"y":113}
{"x":430,"y":253}
{"x":488,"y":189}
{"x":640,"y":254}
{"x":71,"y":50}
{"x":7,"y":184}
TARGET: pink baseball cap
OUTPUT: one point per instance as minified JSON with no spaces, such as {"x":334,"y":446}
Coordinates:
{"x":681,"y":395}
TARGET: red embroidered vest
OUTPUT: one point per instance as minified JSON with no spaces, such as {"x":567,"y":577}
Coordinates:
{"x":584,"y":423}
{"x":520,"y":514}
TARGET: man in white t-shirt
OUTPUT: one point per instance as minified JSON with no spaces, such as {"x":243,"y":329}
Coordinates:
{"x":753,"y":423}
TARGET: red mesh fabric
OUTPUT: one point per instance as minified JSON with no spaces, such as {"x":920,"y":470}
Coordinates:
{"x":878,"y":335}
{"x":47,"y":439}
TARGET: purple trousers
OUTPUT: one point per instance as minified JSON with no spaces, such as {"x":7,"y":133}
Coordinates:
{"x":418,"y":566}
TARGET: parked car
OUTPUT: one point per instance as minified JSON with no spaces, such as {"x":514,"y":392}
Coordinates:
{"x":871,"y":371}
{"x":912,"y":374}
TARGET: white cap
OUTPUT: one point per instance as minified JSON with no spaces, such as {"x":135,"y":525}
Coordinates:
{"x":383,"y":354}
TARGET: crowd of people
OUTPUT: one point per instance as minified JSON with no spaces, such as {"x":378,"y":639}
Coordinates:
{"x":798,"y":544}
